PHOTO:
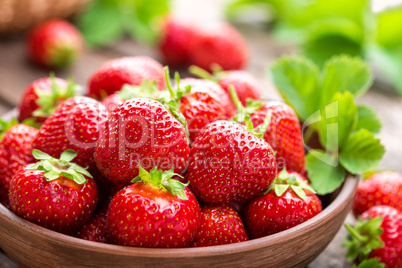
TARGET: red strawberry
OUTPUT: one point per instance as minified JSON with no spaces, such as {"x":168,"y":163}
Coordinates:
{"x":383,"y":188}
{"x":54,"y":43}
{"x":215,"y":90}
{"x":378,"y":234}
{"x":288,"y":202}
{"x":222,"y":45}
{"x":140,"y":129}
{"x":114,"y":74}
{"x":228,"y":163}
{"x":54,"y":193}
{"x":42,"y":97}
{"x":220,"y":225}
{"x":155,"y":211}
{"x":173,"y":44}
{"x":74,"y":125}
{"x":96,"y":229}
{"x":15,"y":152}
{"x":245,"y":85}
{"x":283,"y":134}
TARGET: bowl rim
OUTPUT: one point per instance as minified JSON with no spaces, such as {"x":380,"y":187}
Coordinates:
{"x":327,"y":214}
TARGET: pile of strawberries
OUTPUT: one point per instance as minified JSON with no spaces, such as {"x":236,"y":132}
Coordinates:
{"x":142,"y":161}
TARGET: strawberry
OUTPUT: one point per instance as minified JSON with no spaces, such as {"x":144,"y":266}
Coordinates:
{"x":215,"y":90}
{"x":245,"y":85}
{"x":54,"y":43}
{"x":114,"y":74}
{"x":228,"y":163}
{"x":222,"y":45}
{"x":42,"y":97}
{"x":155,"y":211}
{"x":289,"y":201}
{"x":96,"y":229}
{"x":383,"y":188}
{"x":15,"y":152}
{"x":140,"y":129}
{"x":54,"y":193}
{"x":74,"y":125}
{"x":220,"y":225}
{"x":173,"y":44}
{"x":378,"y":234}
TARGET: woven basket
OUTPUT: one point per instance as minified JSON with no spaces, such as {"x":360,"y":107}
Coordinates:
{"x":17,"y":15}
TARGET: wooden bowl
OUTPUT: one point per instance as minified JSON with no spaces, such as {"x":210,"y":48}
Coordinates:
{"x":33,"y":246}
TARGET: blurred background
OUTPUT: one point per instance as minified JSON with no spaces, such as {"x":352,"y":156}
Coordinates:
{"x":317,"y":29}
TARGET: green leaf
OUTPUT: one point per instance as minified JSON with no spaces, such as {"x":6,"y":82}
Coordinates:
{"x":370,"y":263}
{"x":296,"y":78}
{"x":325,"y":173}
{"x":68,"y":155}
{"x":271,"y":8}
{"x":361,"y":152}
{"x":388,"y":35}
{"x":101,"y":24}
{"x":280,"y":189}
{"x":39,"y":155}
{"x":344,"y":73}
{"x":338,"y":119}
{"x":367,"y":119}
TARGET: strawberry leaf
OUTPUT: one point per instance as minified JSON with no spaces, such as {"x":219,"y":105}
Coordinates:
{"x":370,"y":263}
{"x":367,"y":119}
{"x":337,"y":121}
{"x":361,"y":152}
{"x":297,"y":81}
{"x":325,"y":173}
{"x":68,"y":155}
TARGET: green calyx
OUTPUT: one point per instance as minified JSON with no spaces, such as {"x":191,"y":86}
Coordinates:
{"x":147,"y":89}
{"x":284,"y":181}
{"x":173,"y":102}
{"x":243,"y":114}
{"x":216,"y":76}
{"x":55,"y":168}
{"x":48,"y":101}
{"x":162,"y":180}
{"x":363,"y":238}
{"x":4,"y":126}
{"x":370,"y":263}
{"x":62,"y":55}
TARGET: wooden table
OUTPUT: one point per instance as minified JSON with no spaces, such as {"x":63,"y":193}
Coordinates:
{"x":16,"y":73}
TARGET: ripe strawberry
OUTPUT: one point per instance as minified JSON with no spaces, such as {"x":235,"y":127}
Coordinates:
{"x":74,"y":125}
{"x":288,"y":202}
{"x":245,"y":85}
{"x":42,"y":97}
{"x":173,"y":44}
{"x":54,"y":43}
{"x":378,"y":234}
{"x":215,"y":90}
{"x":140,"y":129}
{"x":155,"y":211}
{"x":54,"y":193}
{"x":220,"y":225}
{"x":383,"y":188}
{"x":15,"y":152}
{"x":228,"y":163}
{"x":222,"y":45}
{"x":96,"y":229}
{"x":114,"y":74}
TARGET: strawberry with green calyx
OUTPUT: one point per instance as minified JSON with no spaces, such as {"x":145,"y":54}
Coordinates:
{"x":283,"y":131}
{"x":42,"y":97}
{"x":147,"y":89}
{"x":377,"y":234}
{"x":197,"y":106}
{"x":155,"y":211}
{"x":229,"y":163}
{"x":54,"y":193}
{"x":287,"y":202}
{"x":15,"y":152}
{"x":245,"y":85}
